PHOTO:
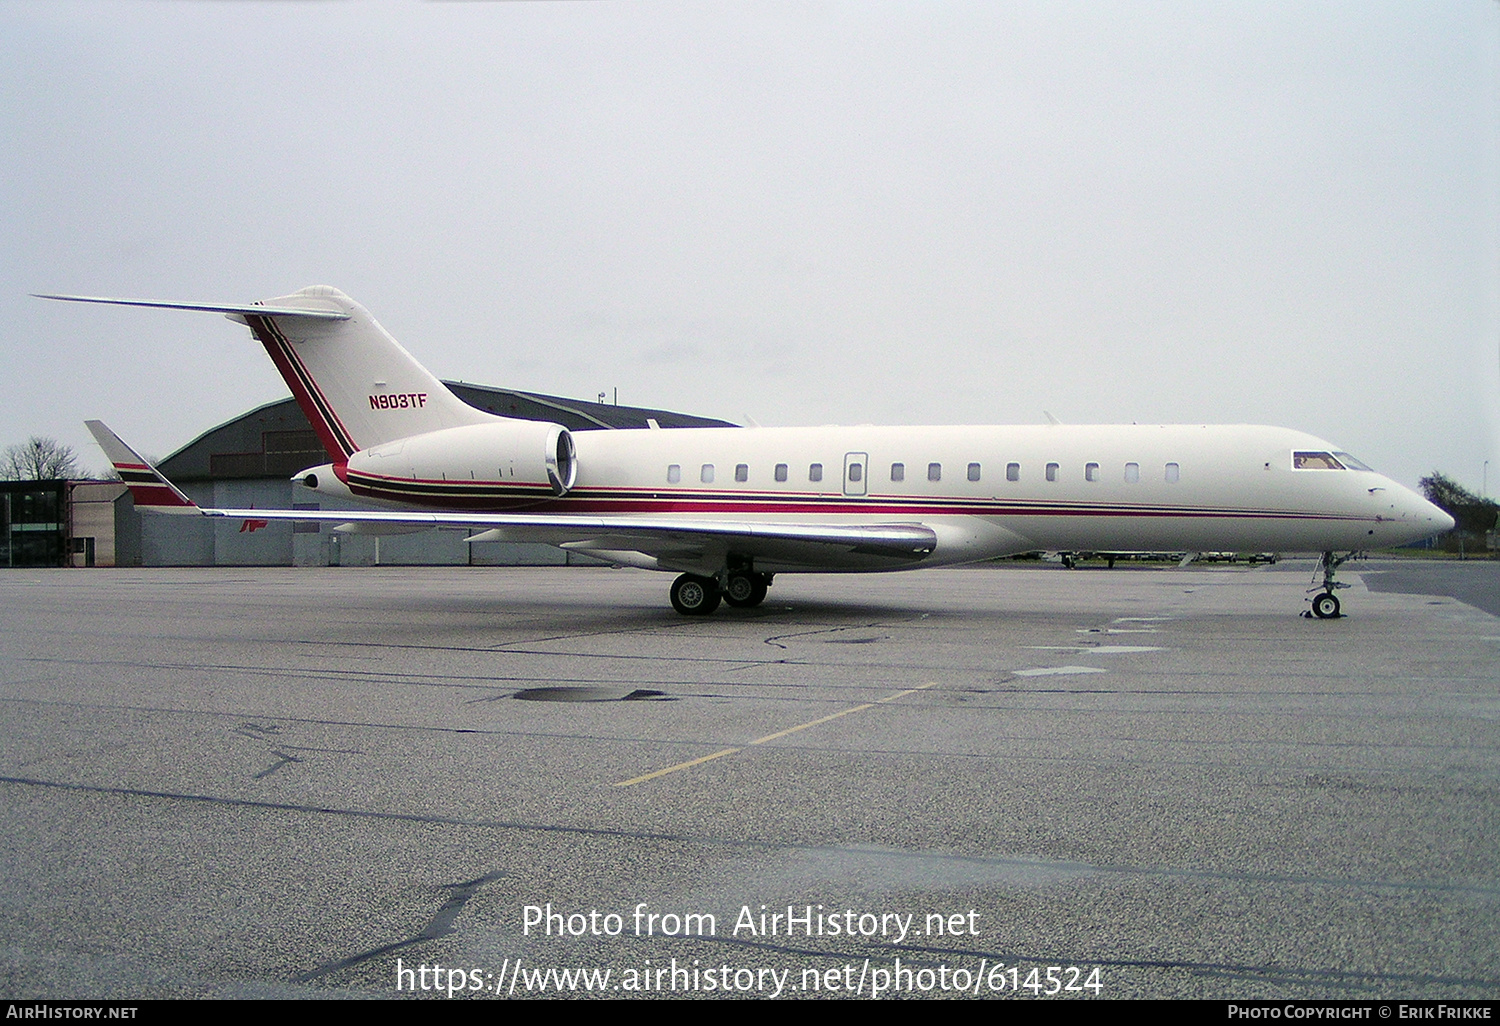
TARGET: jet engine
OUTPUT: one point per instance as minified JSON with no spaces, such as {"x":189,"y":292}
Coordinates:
{"x":520,"y":454}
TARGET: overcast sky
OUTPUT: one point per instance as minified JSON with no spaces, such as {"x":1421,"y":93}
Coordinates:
{"x":804,"y":213}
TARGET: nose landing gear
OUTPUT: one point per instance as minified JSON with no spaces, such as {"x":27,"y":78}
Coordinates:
{"x":1325,"y":606}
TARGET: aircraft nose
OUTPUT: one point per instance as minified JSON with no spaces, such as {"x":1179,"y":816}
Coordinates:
{"x":1420,"y":513}
{"x":1444,"y":521}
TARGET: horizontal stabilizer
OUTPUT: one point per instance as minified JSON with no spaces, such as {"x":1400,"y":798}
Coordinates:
{"x":355,"y":383}
{"x":253,"y":309}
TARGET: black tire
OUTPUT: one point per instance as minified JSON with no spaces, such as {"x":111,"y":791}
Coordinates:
{"x":745,"y":590}
{"x":695,"y":596}
{"x":1326,"y":606}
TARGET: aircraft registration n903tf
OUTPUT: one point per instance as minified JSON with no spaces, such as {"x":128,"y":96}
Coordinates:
{"x":729,"y":508}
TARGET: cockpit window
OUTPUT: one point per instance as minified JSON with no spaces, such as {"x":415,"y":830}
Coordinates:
{"x":1352,"y":463}
{"x":1315,"y":461}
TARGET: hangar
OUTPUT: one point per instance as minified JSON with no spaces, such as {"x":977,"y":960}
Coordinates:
{"x":249,"y":462}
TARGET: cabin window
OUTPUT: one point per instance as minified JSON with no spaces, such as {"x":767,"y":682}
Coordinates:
{"x":1173,"y":473}
{"x":1315,"y":461}
{"x":856,"y":471}
{"x":1052,"y":469}
{"x":706,"y":475}
{"x":1012,"y":472}
{"x":742,"y":472}
{"x":1091,"y":472}
{"x":1132,"y":473}
{"x":781,"y":471}
{"x":898,"y":471}
{"x":973,"y":472}
{"x":934,"y":471}
{"x":674,"y":473}
{"x":815,"y":472}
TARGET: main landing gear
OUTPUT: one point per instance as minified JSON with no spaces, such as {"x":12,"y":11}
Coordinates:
{"x":1325,"y":606}
{"x":693,"y":595}
{"x":746,"y":589}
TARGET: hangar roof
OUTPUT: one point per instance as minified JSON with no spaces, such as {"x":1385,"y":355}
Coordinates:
{"x":276,"y":440}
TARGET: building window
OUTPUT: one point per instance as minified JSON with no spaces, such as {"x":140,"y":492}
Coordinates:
{"x":1052,"y":471}
{"x":674,"y":473}
{"x":781,"y":471}
{"x":973,"y":472}
{"x":898,"y":471}
{"x":934,"y":471}
{"x":1012,"y":472}
{"x":742,"y":472}
{"x":1172,"y":473}
{"x":815,"y":472}
{"x":1132,"y":473}
{"x":706,"y":475}
{"x":1091,"y":472}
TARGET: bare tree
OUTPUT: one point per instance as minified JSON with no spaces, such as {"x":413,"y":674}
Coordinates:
{"x":39,"y":459}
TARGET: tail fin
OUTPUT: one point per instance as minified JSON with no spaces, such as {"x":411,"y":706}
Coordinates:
{"x":357,"y":385}
{"x":148,"y":488}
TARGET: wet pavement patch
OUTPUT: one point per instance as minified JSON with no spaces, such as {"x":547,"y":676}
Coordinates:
{"x":589,"y":694}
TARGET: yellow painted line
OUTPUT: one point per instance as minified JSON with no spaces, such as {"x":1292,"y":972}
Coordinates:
{"x":680,"y":766}
{"x":772,"y":737}
{"x":810,"y":723}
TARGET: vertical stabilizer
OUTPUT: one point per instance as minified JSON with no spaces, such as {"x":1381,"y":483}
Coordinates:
{"x":356,"y":383}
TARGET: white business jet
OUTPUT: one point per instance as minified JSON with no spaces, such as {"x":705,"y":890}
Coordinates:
{"x":729,"y":508}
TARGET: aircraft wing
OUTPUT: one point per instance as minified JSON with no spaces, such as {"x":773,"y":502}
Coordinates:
{"x":672,"y":539}
{"x":676,"y":541}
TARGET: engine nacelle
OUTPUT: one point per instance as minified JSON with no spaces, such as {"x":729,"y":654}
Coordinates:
{"x":525,"y":454}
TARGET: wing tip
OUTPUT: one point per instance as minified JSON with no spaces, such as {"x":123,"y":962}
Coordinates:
{"x":148,"y":488}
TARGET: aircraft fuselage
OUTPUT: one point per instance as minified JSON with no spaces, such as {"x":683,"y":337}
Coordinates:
{"x":986,"y":490}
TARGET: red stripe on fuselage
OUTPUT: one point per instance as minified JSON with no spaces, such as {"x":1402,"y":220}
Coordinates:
{"x":400,"y":490}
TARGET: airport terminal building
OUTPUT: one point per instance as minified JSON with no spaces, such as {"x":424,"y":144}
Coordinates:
{"x":248,"y":463}
{"x":59,"y":523}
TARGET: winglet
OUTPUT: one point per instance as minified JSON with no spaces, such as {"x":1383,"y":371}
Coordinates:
{"x":148,"y":488}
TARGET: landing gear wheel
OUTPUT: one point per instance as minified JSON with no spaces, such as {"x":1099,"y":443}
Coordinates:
{"x":745,"y":590}
{"x":695,"y":596}
{"x":1326,"y":607}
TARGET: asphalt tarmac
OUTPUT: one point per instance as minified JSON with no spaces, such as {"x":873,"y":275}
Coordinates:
{"x":1145,"y":782}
